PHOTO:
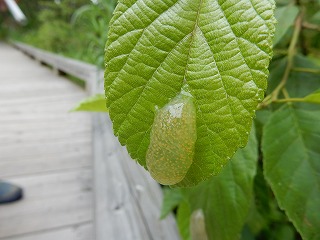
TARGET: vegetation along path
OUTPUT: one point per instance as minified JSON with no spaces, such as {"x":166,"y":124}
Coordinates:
{"x":46,"y":150}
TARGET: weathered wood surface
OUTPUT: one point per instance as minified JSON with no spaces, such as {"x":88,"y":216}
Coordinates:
{"x":127,"y":200}
{"x":78,"y":232}
{"x":46,"y":150}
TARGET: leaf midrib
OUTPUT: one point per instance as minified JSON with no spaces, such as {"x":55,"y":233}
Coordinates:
{"x":148,"y":81}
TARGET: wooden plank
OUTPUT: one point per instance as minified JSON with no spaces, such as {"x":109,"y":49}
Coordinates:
{"x":63,"y":108}
{"x":73,"y":97}
{"x":54,"y":184}
{"x":76,"y":232}
{"x":36,"y":118}
{"x":40,"y":137}
{"x":15,"y":165}
{"x":40,"y":93}
{"x":46,"y":213}
{"x":14,"y":127}
{"x":47,"y":148}
{"x":41,"y":83}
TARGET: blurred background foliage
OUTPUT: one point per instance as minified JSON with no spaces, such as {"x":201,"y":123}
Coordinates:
{"x":73,"y":28}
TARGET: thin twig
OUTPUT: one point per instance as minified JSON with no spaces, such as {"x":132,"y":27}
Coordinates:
{"x":311,"y":26}
{"x":288,"y":100}
{"x":306,"y":70}
{"x":272,"y":97}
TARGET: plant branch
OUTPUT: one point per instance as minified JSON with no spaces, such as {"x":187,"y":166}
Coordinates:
{"x":291,"y":54}
{"x":288,"y":100}
{"x":306,"y":70}
{"x":311,"y":26}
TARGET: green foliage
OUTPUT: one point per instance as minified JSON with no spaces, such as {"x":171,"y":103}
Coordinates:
{"x":220,"y":51}
{"x":95,"y":19}
{"x":183,"y":220}
{"x":96,"y":103}
{"x":171,"y":199}
{"x":53,"y":31}
{"x":76,"y":29}
{"x":291,"y":159}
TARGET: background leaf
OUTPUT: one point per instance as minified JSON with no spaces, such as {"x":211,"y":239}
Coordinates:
{"x":183,"y":220}
{"x":225,"y":199}
{"x":292,"y":167}
{"x":96,"y":103}
{"x":285,"y":16}
{"x":313,"y":97}
{"x":171,"y":199}
{"x":221,"y":49}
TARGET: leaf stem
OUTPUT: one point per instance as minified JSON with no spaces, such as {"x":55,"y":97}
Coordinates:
{"x":280,"y":51}
{"x":311,"y":26}
{"x":306,"y":70}
{"x":285,"y":93}
{"x":287,"y":100}
{"x":272,"y":97}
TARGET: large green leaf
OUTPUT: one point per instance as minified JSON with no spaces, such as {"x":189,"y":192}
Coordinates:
{"x":225,"y":199}
{"x":220,"y":48}
{"x":291,"y":147}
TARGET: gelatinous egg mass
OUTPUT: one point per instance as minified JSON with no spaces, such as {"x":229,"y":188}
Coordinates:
{"x":172,"y":140}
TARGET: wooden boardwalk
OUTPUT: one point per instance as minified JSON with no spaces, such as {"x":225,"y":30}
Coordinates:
{"x":46,"y":150}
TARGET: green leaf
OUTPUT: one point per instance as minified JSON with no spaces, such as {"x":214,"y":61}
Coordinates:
{"x":313,"y":97}
{"x":260,"y":208}
{"x":183,"y":220}
{"x":292,"y":167}
{"x":96,"y":103}
{"x":225,"y":199}
{"x":220,"y":48}
{"x":171,"y":199}
{"x":285,"y":17}
{"x":247,"y":234}
{"x":300,"y":84}
{"x":283,"y":232}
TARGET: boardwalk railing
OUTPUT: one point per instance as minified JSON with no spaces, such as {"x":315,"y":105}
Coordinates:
{"x":127,"y":200}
